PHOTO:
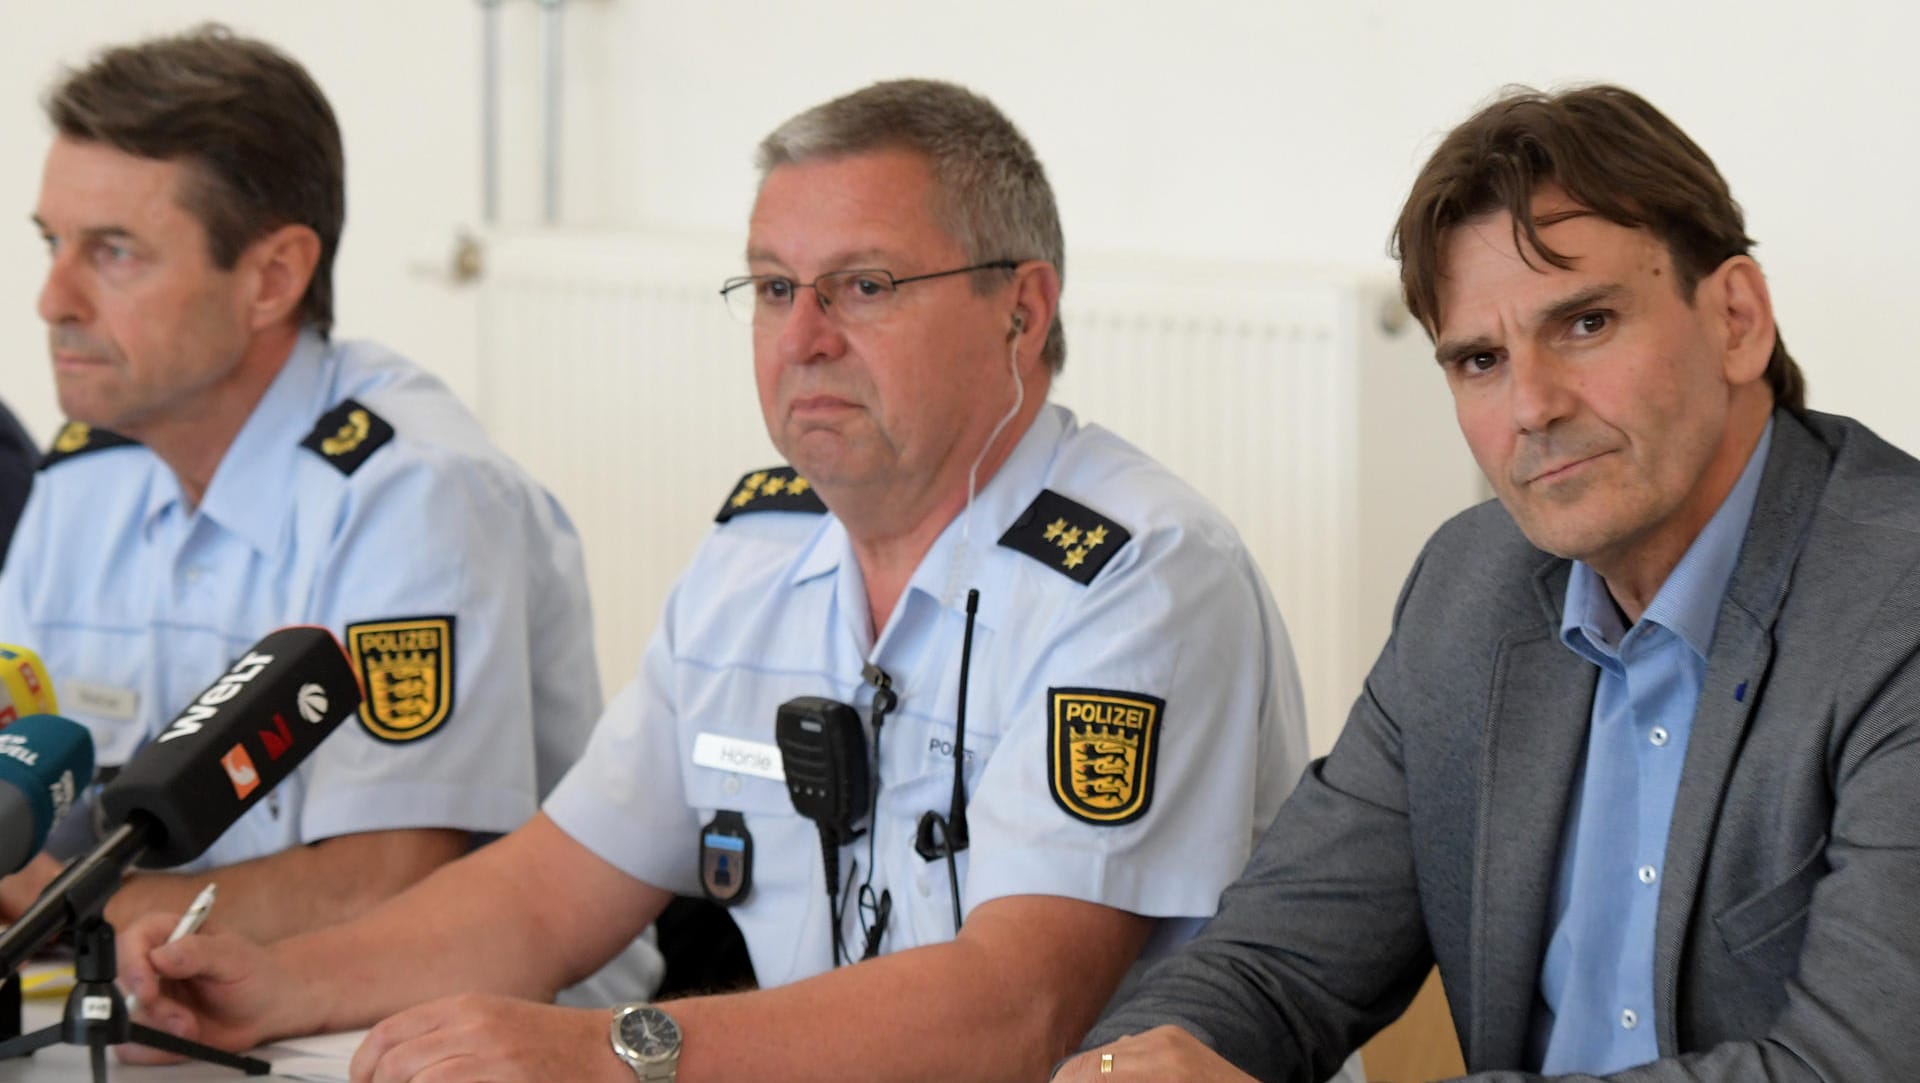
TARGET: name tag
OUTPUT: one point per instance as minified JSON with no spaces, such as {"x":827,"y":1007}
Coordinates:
{"x":733,"y":754}
{"x":103,"y":701}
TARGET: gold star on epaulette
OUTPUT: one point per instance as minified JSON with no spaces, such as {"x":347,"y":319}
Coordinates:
{"x":771,"y":490}
{"x":1067,"y":536}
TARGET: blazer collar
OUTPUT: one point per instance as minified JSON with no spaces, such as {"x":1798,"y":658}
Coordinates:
{"x":1790,"y":494}
{"x":1535,"y":734}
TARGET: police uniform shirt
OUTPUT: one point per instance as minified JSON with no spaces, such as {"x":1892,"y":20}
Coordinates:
{"x":359,"y":496}
{"x":1129,"y":732}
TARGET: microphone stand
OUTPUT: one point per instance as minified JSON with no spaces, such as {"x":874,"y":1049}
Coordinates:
{"x":96,"y":1015}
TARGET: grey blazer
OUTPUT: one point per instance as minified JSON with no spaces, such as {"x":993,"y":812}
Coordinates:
{"x":1788,"y":932}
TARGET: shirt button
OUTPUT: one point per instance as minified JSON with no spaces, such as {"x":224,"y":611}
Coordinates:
{"x":196,"y":573}
{"x":731,"y":784}
{"x":1629,"y":1019}
{"x":1648,"y":875}
{"x":924,"y":886}
{"x":1658,"y":737}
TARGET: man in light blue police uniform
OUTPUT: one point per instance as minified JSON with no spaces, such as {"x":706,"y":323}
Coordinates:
{"x":1132,"y":713}
{"x":229,"y":469}
{"x":1131,"y":709}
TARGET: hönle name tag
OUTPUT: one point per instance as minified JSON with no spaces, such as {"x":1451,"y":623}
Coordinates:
{"x":733,"y":754}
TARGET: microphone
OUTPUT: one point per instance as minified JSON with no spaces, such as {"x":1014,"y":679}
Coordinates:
{"x":234,"y":743}
{"x":212,"y":763}
{"x":45,"y":761}
{"x":24,"y":687}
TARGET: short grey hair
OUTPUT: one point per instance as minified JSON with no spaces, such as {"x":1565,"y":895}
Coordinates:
{"x":991,"y":193}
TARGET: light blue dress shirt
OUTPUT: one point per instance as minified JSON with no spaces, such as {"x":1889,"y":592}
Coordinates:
{"x":773,"y":607}
{"x":1596,"y":982}
{"x":137,"y":600}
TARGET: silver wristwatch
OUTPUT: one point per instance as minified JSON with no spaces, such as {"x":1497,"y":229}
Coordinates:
{"x":648,"y":1040}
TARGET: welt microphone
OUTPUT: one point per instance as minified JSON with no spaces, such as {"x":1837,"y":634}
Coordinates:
{"x":24,"y":687}
{"x":233,"y":743}
{"x":45,"y":761}
{"x":212,"y":763}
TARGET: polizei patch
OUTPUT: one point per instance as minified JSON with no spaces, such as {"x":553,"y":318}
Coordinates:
{"x":1103,"y":748}
{"x":406,"y":667}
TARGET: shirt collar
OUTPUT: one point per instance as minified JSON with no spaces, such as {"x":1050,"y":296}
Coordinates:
{"x":1688,"y":603}
{"x":260,"y":461}
{"x":953,"y":562}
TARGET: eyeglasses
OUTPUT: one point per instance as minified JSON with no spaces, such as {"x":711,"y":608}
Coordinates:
{"x":861,"y":295}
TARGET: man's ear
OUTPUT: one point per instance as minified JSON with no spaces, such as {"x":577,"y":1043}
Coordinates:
{"x":1745,"y":311}
{"x":1036,"y":299}
{"x":279,"y":267}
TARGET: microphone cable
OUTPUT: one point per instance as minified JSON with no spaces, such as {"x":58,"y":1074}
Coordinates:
{"x":952,"y":828}
{"x":875,"y":909}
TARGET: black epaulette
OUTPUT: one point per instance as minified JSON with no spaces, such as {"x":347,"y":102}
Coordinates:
{"x":1067,"y":536}
{"x":77,"y":439}
{"x":779,"y":488}
{"x":348,"y":435}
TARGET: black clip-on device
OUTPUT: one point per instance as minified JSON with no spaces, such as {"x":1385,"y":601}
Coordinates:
{"x":96,"y":1015}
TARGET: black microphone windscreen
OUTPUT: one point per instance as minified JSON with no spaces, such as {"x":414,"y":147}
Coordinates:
{"x":235,"y":742}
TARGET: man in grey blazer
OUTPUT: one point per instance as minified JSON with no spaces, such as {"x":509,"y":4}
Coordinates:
{"x":1639,"y":767}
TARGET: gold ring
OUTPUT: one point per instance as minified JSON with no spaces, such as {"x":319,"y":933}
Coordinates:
{"x":1106,"y":1064}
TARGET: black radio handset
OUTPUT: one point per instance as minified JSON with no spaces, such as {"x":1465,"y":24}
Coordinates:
{"x":939,"y":836}
{"x":824,"y":754}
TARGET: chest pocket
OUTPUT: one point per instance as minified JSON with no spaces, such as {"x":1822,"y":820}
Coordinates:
{"x":1767,"y":929}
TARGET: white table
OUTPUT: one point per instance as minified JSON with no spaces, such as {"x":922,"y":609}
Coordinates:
{"x":66,"y":1063}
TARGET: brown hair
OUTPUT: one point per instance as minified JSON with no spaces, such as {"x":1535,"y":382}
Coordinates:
{"x":261,"y":140}
{"x":1612,"y":153}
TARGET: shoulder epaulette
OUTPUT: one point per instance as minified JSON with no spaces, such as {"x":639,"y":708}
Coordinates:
{"x":348,"y":435}
{"x":78,"y":439}
{"x":779,"y":488}
{"x":1066,"y":535}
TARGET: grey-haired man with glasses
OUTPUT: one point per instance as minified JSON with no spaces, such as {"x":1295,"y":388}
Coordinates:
{"x":959,"y":712}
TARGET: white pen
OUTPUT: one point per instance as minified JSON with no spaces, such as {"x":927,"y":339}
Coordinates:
{"x":188,"y":924}
{"x":195,"y":916}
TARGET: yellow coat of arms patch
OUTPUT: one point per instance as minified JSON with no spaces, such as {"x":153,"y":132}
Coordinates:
{"x":1103,"y":748}
{"x":406,"y":668}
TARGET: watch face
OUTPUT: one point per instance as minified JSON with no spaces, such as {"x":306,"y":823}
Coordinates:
{"x":650,"y":1033}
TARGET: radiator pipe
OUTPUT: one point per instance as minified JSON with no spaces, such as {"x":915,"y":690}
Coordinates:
{"x":551,"y":24}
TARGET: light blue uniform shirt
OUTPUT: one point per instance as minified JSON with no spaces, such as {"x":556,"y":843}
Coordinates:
{"x":137,"y":601}
{"x":1597,"y":978}
{"x":774,"y":607}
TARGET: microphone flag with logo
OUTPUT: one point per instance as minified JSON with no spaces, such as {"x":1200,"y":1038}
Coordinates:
{"x":24,"y":687}
{"x":45,"y":761}
{"x":234,"y":743}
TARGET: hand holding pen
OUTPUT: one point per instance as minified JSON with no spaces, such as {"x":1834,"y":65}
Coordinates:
{"x":188,"y":924}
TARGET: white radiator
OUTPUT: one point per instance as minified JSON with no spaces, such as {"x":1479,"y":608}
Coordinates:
{"x":610,"y":369}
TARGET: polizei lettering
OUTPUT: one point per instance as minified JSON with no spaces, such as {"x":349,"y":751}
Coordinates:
{"x":400,"y":641}
{"x":1092,"y":712}
{"x":195,"y":717}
